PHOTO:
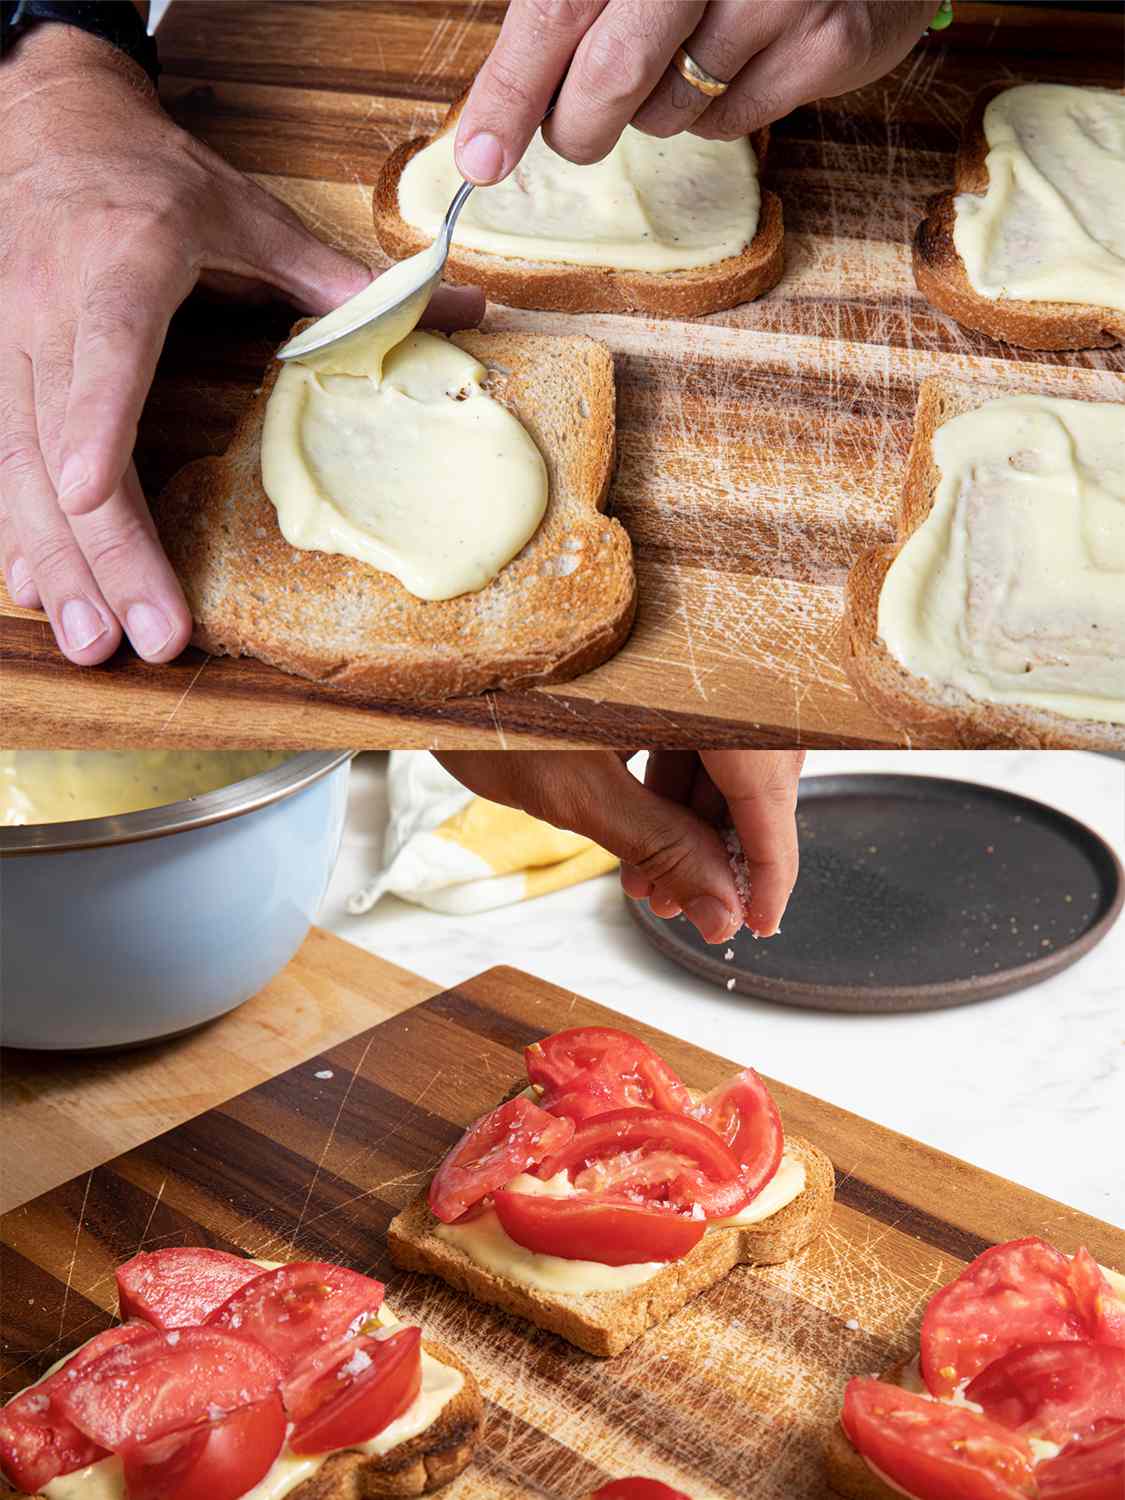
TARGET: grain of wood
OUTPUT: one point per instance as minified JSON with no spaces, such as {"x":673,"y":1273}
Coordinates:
{"x":727,"y":1400}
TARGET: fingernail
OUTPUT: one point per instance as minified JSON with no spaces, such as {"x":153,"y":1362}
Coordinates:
{"x":149,"y":628}
{"x":709,"y":917}
{"x":20,"y":581}
{"x":81,"y":624}
{"x":73,"y":476}
{"x":481,"y":157}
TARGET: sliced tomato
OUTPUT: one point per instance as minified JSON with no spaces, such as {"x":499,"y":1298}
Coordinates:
{"x":638,"y":1489}
{"x":365,"y":1393}
{"x":178,"y":1288}
{"x":303,"y":1312}
{"x":1092,"y":1468}
{"x":1101,"y":1307}
{"x":934,"y":1451}
{"x":742,"y":1113}
{"x":219,"y":1460}
{"x":588,"y":1070}
{"x":1013,"y":1294}
{"x":498,"y":1147}
{"x":161,"y":1383}
{"x":652,"y":1156}
{"x":1053,"y":1391}
{"x":38,"y":1442}
{"x":616,"y":1233}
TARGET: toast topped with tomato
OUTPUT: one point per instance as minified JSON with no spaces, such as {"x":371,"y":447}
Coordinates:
{"x":604,"y":1197}
{"x":230,"y":1377}
{"x":1017,"y":1391}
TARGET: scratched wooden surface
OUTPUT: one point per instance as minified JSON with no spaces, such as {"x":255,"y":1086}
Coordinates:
{"x":726,"y":1400}
{"x":760,"y":450}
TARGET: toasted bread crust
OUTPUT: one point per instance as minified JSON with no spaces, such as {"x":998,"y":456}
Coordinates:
{"x":563,"y":287}
{"x":931,"y":714}
{"x":605,"y":1323}
{"x":419,"y":1466}
{"x":333,"y":619}
{"x":940,"y":273}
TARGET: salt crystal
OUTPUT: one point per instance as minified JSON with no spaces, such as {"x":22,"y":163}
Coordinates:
{"x":730,"y":984}
{"x":729,"y":954}
{"x":325,"y":1073}
{"x":853,"y":1324}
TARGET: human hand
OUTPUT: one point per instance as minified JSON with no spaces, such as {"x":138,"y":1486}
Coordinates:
{"x":109,"y":215}
{"x":666,"y":831}
{"x":616,"y":56}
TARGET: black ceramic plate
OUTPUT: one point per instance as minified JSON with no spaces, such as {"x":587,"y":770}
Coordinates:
{"x":915,"y":893}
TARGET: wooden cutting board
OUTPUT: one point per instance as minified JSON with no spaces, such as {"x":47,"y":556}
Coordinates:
{"x":760,"y":449}
{"x":726,"y":1400}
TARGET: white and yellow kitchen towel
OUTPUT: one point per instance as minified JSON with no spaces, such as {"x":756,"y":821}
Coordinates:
{"x":457,"y":853}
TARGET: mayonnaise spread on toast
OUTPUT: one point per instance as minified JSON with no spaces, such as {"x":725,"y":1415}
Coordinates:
{"x":1051,"y":226}
{"x":485,"y":1241}
{"x":104,"y":1480}
{"x":386,"y":447}
{"x":1013,"y":588}
{"x":650,"y":205}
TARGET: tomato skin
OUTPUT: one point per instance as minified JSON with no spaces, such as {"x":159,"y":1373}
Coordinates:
{"x":1013,"y":1294}
{"x":638,"y":1489}
{"x":586,"y":1071}
{"x":180,"y":1287}
{"x":497,"y":1147}
{"x":655,"y":1155}
{"x":1102,"y":1310}
{"x":613,"y":1232}
{"x":1091,"y":1468}
{"x":37,"y":1441}
{"x":935,"y":1451}
{"x":1053,"y":1391}
{"x":345,"y":1407}
{"x":219,"y":1460}
{"x":303,"y":1312}
{"x":743,"y":1115}
{"x":161,"y":1383}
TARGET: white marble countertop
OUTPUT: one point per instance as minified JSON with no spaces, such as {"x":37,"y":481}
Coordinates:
{"x":1031,"y":1085}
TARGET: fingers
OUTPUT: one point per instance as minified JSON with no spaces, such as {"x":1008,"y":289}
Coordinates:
{"x":83,"y":623}
{"x":727,"y":37}
{"x":760,"y":787}
{"x":453,"y":307}
{"x":617,"y":64}
{"x":512,"y":90}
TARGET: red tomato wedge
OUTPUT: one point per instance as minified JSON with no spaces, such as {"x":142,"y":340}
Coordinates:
{"x":303,"y":1313}
{"x":933,"y":1451}
{"x":652,"y":1156}
{"x":616,"y":1233}
{"x":220,"y":1460}
{"x":589,"y":1070}
{"x":1092,"y":1468}
{"x":1013,"y":1294}
{"x":161,"y":1383}
{"x":1102,"y":1309}
{"x":178,"y":1288}
{"x":1053,"y":1391}
{"x":742,"y":1113}
{"x":638,"y":1489}
{"x":37,"y":1441}
{"x":498,"y":1147}
{"x":365,"y":1393}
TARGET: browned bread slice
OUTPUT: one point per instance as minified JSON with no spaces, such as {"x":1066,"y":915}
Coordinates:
{"x":607,"y":1322}
{"x":563,"y":605}
{"x":565,"y":287}
{"x":418,"y":1466}
{"x":940,"y":272}
{"x":847,"y":1472}
{"x":930,"y":713}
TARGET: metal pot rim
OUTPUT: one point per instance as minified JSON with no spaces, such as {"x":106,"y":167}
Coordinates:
{"x":227,"y":802}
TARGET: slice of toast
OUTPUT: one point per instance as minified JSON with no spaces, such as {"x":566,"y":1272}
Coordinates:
{"x":562,"y":286}
{"x":940,"y":272}
{"x":847,"y":1471}
{"x":418,"y":1466}
{"x":559,"y":608}
{"x":607,"y":1322}
{"x":933,"y":714}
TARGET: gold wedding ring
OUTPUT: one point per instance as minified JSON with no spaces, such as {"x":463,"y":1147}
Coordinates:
{"x":699,"y":78}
